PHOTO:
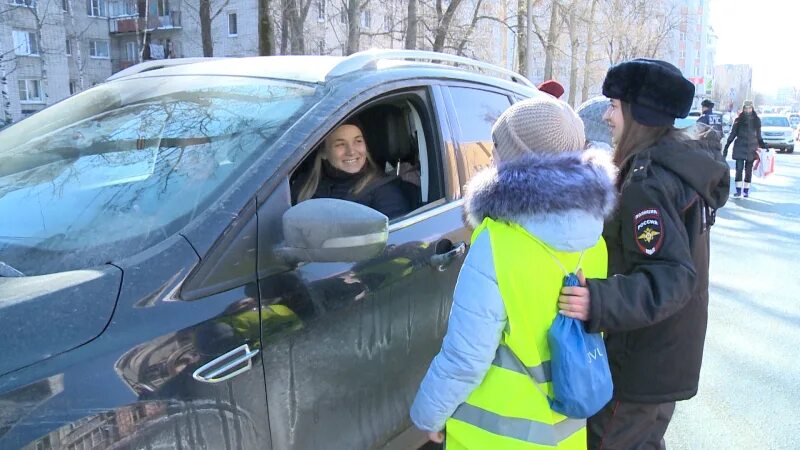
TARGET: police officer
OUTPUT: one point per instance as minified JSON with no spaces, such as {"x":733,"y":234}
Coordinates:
{"x":710,"y":118}
{"x":654,"y":305}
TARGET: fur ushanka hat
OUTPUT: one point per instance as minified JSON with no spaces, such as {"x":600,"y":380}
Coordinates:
{"x":656,"y":90}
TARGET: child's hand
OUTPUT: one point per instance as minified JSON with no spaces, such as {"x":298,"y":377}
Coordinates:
{"x":436,"y":436}
{"x":574,"y":301}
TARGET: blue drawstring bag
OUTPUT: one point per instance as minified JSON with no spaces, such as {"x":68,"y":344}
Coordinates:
{"x":579,"y":364}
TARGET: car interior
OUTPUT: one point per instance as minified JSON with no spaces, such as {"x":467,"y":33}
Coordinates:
{"x":398,"y":136}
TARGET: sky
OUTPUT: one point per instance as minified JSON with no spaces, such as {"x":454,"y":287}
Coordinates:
{"x":762,"y":33}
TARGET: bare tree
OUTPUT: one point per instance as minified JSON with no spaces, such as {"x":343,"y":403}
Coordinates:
{"x":635,"y":28}
{"x":588,"y":58}
{"x":553,"y":33}
{"x":266,"y":29}
{"x":5,"y":101}
{"x":411,"y":27}
{"x":206,"y":19}
{"x":572,"y":21}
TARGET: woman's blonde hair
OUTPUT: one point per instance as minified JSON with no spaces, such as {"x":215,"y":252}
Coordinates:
{"x":371,"y":171}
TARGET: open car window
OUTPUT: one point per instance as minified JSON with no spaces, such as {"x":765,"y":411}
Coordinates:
{"x":127,"y":164}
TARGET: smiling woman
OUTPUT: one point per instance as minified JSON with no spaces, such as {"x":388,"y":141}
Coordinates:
{"x":344,"y":169}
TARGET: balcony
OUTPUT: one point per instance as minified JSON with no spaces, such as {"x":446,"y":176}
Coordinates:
{"x":132,"y":24}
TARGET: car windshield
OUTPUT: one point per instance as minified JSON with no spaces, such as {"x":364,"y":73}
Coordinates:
{"x":774,"y":122}
{"x":119,"y":168}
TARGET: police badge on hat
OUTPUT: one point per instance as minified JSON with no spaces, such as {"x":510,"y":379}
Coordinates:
{"x":648,"y":231}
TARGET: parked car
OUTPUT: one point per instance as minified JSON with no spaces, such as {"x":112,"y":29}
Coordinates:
{"x":777,"y":132}
{"x":161,"y":290}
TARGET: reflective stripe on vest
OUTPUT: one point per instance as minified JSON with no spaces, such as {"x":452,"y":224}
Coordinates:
{"x":505,"y":359}
{"x":522,"y":429}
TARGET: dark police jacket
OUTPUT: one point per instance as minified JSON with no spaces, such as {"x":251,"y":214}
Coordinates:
{"x":714,"y":120}
{"x":654,"y":305}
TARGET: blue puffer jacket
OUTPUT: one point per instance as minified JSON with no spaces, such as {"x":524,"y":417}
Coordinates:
{"x":478,"y":317}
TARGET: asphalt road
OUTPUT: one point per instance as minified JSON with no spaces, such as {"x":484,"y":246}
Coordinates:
{"x":749,"y":395}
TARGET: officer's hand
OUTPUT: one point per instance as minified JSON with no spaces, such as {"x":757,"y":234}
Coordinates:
{"x":574,"y":301}
{"x":436,"y":436}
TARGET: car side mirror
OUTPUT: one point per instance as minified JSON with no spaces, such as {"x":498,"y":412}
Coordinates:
{"x":332,"y":230}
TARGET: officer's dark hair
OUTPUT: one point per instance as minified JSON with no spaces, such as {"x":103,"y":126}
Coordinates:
{"x":635,"y":136}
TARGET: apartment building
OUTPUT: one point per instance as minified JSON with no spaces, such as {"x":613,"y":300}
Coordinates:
{"x":50,"y":50}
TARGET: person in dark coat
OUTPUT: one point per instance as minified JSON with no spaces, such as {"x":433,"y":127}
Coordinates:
{"x":344,"y":169}
{"x":654,"y":306}
{"x":746,"y":130}
{"x":710,"y":118}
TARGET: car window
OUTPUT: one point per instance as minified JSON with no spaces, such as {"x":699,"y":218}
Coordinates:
{"x":121,"y":167}
{"x":774,"y":122}
{"x":476,"y":111}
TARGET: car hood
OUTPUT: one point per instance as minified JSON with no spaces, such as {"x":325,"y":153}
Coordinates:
{"x":42,"y":316}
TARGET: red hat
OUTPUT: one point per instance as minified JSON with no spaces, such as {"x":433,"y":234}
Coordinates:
{"x":552,"y":87}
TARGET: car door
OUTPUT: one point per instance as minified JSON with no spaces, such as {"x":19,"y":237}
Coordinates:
{"x":346,"y":344}
{"x":159,"y":345}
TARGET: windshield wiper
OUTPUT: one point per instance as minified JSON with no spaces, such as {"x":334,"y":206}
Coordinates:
{"x":8,"y":271}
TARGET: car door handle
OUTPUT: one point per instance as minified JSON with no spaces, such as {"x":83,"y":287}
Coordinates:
{"x":442,"y":260}
{"x":227,"y":366}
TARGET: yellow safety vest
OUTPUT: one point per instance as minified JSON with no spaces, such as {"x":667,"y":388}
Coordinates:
{"x":508,"y":410}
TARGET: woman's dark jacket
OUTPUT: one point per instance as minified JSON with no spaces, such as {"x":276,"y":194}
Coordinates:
{"x":746,"y":130}
{"x":383,"y":194}
{"x":654,"y":305}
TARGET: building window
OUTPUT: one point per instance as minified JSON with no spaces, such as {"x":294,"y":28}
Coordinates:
{"x":65,"y":5}
{"x":30,"y":91}
{"x":683,"y":54}
{"x":96,"y":8}
{"x":28,"y":3}
{"x":163,"y":8}
{"x":68,"y":46}
{"x":388,"y":23}
{"x":366,"y":19}
{"x":25,"y":42}
{"x":73,"y":87}
{"x":130,"y":51}
{"x":320,"y":10}
{"x":98,"y":49}
{"x":122,"y":8}
{"x":233,"y":26}
{"x":683,"y":35}
{"x":44,"y":444}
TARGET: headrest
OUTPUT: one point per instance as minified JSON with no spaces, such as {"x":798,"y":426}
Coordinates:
{"x":387,"y":133}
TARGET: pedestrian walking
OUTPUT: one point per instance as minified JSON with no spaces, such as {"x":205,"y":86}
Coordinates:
{"x":537,"y":213}
{"x":746,"y":137}
{"x":654,"y":306}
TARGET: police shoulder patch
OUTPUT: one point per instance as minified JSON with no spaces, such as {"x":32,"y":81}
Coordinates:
{"x":648,"y":231}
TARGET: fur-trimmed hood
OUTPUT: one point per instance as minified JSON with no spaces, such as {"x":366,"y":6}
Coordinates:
{"x":545,"y":192}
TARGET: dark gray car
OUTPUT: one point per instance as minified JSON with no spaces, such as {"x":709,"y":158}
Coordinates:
{"x":160,"y":290}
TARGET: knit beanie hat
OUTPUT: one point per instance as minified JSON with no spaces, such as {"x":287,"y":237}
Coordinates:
{"x":537,"y":125}
{"x":592,"y":112}
{"x":552,"y":87}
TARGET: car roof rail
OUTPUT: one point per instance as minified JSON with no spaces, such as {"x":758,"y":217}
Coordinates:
{"x":370,"y":58}
{"x":155,"y":65}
